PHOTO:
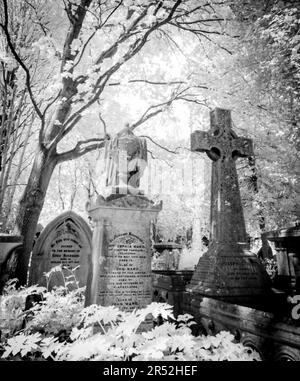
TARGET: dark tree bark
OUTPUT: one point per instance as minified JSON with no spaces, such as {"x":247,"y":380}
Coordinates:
{"x":31,"y":205}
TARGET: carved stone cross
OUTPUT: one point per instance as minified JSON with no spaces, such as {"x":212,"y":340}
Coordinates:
{"x":227,"y":270}
{"x":223,"y":146}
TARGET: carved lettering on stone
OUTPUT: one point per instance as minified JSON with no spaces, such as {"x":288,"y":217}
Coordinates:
{"x":126,"y":281}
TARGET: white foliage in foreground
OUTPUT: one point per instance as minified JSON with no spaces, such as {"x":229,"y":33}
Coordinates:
{"x":106,"y":333}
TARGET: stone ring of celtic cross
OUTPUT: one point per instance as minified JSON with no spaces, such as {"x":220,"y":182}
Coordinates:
{"x":214,"y":153}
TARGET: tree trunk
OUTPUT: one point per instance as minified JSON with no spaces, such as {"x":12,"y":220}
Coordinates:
{"x":31,"y":205}
{"x":12,"y":190}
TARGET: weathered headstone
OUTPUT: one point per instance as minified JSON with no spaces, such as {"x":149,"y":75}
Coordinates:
{"x":120,"y":272}
{"x":227,"y":270}
{"x":8,"y":257}
{"x":121,"y":259}
{"x":66,"y":241}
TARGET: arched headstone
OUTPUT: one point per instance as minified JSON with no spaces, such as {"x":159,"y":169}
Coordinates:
{"x":65,"y":241}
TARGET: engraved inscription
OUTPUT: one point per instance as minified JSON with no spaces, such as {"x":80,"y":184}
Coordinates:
{"x":65,"y":250}
{"x":125,"y":279}
{"x":238,"y":269}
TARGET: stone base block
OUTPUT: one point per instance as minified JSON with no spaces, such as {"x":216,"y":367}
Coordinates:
{"x":232,"y":273}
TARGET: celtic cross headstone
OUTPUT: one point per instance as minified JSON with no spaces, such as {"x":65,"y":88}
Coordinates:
{"x":227,"y":270}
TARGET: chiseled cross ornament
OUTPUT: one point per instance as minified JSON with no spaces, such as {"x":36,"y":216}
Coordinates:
{"x":223,"y":146}
{"x":227,"y":270}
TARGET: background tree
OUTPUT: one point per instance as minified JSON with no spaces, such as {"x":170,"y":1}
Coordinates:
{"x":269,"y":41}
{"x":16,"y":114}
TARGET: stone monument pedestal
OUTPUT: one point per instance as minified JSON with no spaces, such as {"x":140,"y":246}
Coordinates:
{"x":231,"y":273}
{"x":120,"y":268}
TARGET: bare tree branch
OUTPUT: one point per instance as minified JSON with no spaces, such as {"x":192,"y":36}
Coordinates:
{"x":19,"y":60}
{"x":149,"y":82}
{"x":44,"y":29}
{"x":51,"y":103}
{"x":157,"y":144}
{"x":133,"y":49}
{"x":104,"y":124}
{"x":81,"y":148}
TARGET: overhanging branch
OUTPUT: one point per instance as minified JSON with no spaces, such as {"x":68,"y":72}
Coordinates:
{"x":157,"y":144}
{"x":81,"y":148}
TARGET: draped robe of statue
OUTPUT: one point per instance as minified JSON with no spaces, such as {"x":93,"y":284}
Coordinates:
{"x":125,"y":162}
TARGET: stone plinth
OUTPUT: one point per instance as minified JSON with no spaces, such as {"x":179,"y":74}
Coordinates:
{"x":65,"y":242}
{"x":120,"y":271}
{"x":230,"y":272}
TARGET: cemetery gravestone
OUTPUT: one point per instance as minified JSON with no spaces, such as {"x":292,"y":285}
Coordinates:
{"x":66,"y":242}
{"x":120,"y":271}
{"x":227,"y":270}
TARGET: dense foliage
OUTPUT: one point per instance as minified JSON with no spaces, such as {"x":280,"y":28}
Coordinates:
{"x":269,"y":63}
{"x":60,"y":328}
